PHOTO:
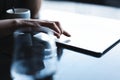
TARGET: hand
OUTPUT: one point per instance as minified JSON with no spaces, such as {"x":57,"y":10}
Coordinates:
{"x":35,"y":23}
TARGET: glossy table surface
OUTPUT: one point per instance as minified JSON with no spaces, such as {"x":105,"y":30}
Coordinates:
{"x":77,"y":66}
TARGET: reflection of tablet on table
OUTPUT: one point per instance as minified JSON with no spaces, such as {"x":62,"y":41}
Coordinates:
{"x":91,"y":40}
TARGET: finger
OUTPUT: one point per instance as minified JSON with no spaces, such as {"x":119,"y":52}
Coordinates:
{"x":62,"y":31}
{"x":50,"y":25}
{"x":59,"y":26}
{"x":48,"y":29}
{"x":57,"y":34}
{"x":66,"y":34}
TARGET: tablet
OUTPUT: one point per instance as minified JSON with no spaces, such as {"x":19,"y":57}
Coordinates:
{"x":91,"y":35}
{"x":91,"y":38}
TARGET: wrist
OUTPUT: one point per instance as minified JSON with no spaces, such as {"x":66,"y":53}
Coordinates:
{"x":17,"y":23}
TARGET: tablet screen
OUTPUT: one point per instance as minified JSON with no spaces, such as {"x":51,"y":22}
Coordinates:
{"x":92,"y":38}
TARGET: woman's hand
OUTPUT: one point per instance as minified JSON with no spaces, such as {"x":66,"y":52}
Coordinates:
{"x":35,"y":23}
{"x":8,"y":26}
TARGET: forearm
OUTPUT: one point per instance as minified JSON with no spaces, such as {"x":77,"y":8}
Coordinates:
{"x":7,"y":27}
{"x":34,"y":6}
